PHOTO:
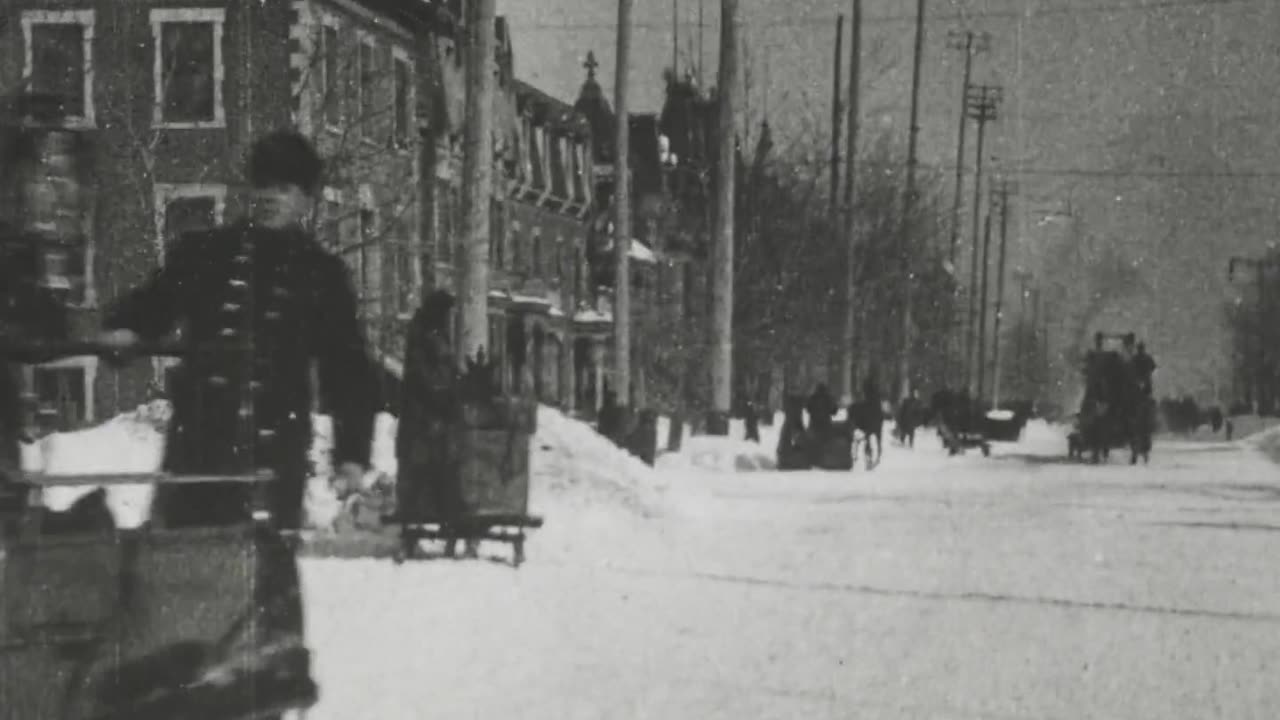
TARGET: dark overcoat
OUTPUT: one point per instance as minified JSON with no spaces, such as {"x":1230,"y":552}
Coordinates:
{"x":274,"y":302}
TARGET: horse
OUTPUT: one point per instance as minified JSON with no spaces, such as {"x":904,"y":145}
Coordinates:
{"x":908,"y":419}
{"x":868,"y":418}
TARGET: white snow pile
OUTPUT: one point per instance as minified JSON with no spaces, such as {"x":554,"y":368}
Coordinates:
{"x":572,"y":463}
{"x":718,"y":454}
{"x":1266,"y":441}
{"x":129,"y":443}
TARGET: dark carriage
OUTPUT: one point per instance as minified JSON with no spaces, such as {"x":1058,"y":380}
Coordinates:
{"x":959,"y":423}
{"x":1115,"y":412}
{"x":825,"y":447}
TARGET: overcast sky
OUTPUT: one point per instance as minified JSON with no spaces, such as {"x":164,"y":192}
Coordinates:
{"x":1103,"y":98}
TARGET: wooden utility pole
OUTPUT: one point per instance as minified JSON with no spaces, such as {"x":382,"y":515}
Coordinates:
{"x":622,"y":210}
{"x":675,"y":39}
{"x":982,"y":102}
{"x":847,"y":385}
{"x":722,"y":244}
{"x":835,"y":130}
{"x":1003,"y":189}
{"x":908,"y":208}
{"x":982,"y":311}
{"x":838,"y":60}
{"x":1020,"y":339}
{"x":477,"y":181}
{"x":971,"y":44}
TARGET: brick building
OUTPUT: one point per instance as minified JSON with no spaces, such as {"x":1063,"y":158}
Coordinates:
{"x":167,"y":97}
{"x":671,"y":191}
{"x":540,"y":220}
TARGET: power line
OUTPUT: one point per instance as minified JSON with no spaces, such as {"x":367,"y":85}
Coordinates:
{"x":1126,"y":174}
{"x":1048,"y":13}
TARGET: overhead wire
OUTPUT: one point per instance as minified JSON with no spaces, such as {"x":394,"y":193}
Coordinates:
{"x":965,"y":17}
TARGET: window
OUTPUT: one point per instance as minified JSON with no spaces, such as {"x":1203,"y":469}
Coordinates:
{"x":185,"y":208}
{"x":59,"y":59}
{"x":557,"y":272}
{"x":497,"y":235}
{"x":536,"y":157}
{"x":686,"y":288}
{"x":188,"y":70}
{"x":557,"y":156}
{"x":535,"y":255}
{"x":56,"y":208}
{"x":447,"y":222}
{"x":405,"y":286}
{"x":330,"y":75}
{"x":402,"y":118}
{"x":366,"y":89}
{"x":360,"y":256}
{"x":516,"y":248}
{"x":60,"y":397}
{"x":330,"y":220}
{"x":576,"y":157}
{"x":61,"y":393}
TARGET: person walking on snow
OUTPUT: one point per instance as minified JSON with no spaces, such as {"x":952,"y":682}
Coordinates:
{"x":430,"y":407}
{"x":262,"y":301}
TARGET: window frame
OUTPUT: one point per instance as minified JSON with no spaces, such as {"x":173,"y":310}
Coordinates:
{"x":87,"y":365}
{"x":401,"y":56}
{"x":332,"y":107}
{"x":86,"y":20}
{"x":168,"y":192}
{"x":366,"y":94}
{"x":217,"y":18}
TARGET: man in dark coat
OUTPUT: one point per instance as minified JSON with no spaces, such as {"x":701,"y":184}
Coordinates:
{"x":822,"y":408}
{"x":1144,"y":367}
{"x":263,"y":300}
{"x":909,"y":412}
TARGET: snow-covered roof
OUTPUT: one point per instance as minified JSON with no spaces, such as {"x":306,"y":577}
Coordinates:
{"x":592,"y":316}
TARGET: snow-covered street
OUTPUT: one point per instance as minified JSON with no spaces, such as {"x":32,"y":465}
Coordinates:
{"x":1017,"y":586}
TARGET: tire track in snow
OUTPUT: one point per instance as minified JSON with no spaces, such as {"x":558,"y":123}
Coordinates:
{"x":971,"y":597}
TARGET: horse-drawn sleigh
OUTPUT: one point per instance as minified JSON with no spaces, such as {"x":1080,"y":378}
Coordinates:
{"x":1117,"y":410}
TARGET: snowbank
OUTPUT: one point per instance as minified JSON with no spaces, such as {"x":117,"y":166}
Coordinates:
{"x":718,"y":454}
{"x":572,"y":466}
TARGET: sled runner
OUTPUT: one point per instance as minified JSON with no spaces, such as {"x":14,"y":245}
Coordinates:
{"x":99,"y":622}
